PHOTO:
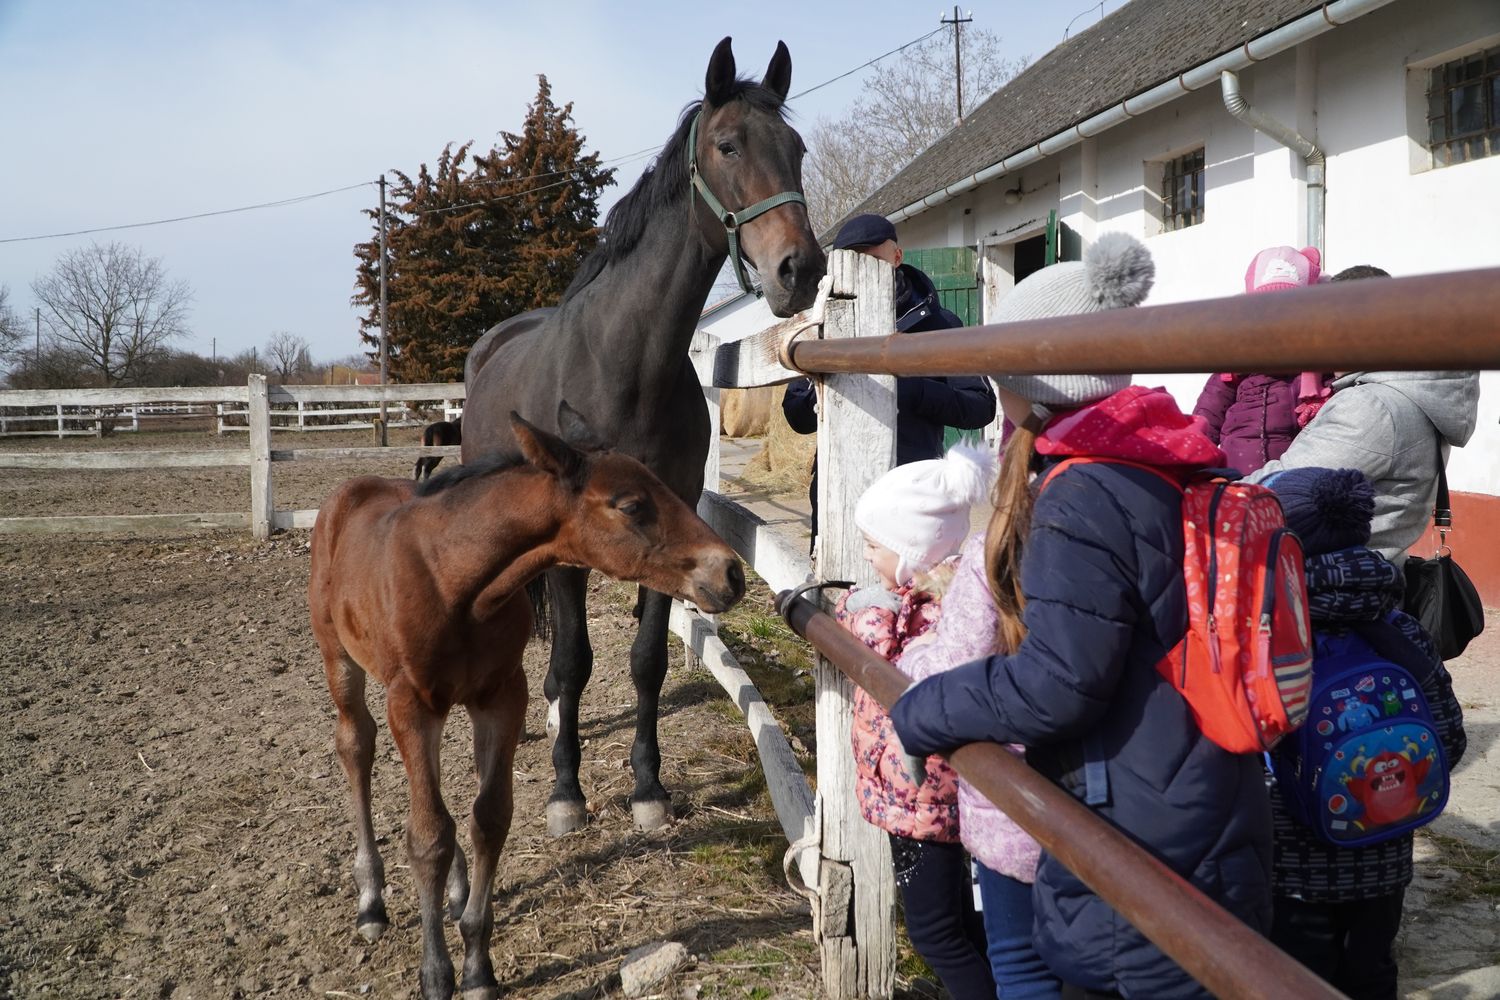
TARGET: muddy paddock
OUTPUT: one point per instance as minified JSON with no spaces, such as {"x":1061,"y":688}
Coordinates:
{"x":175,"y":823}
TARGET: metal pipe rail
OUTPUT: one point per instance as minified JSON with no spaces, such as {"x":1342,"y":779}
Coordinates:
{"x":1218,"y":950}
{"x":1447,"y":322}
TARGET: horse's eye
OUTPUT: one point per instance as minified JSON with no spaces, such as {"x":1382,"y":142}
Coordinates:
{"x":727,"y":149}
{"x":630,"y":508}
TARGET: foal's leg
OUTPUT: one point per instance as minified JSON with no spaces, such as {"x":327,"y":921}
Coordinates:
{"x":497,"y":729}
{"x":569,"y":669}
{"x":354,"y":737}
{"x":650,"y":805}
{"x":430,"y":841}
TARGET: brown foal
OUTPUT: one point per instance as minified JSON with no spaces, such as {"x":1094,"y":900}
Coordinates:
{"x":423,"y":589}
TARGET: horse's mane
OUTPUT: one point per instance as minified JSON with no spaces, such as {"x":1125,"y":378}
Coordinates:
{"x":448,"y":478}
{"x":661,"y":184}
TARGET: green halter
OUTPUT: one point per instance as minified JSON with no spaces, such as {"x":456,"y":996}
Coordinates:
{"x":733,"y":220}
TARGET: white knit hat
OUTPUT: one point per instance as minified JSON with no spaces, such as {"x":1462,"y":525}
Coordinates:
{"x":920,"y":510}
{"x":1115,"y":272}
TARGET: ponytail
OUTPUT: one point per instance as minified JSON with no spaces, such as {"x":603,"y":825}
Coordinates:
{"x":1006,"y":536}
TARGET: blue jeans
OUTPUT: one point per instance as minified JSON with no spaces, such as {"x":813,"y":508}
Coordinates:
{"x":1018,"y":970}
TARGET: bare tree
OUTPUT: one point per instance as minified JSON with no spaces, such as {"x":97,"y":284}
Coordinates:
{"x":11,"y":343}
{"x":112,"y":306}
{"x":909,"y":104}
{"x":286,"y":353}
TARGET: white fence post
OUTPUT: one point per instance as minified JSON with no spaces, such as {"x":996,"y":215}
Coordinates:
{"x":258,"y":414}
{"x":856,"y":445}
{"x":59,"y":420}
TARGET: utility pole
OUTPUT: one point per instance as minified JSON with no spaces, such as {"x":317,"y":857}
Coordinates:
{"x":958,"y":59}
{"x":38,"y":361}
{"x":384,"y":342}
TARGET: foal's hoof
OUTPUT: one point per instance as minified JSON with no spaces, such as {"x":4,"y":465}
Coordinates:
{"x":565,"y":817}
{"x":481,"y":992}
{"x":554,"y":720}
{"x":652,"y":815}
{"x":372,"y":930}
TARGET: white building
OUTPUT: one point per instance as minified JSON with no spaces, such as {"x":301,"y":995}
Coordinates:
{"x":1125,"y":127}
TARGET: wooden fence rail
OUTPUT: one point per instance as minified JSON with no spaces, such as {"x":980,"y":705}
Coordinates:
{"x":258,"y":398}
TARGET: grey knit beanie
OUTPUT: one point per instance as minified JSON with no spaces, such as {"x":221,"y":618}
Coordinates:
{"x":1115,"y":272}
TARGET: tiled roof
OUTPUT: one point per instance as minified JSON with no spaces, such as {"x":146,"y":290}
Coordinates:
{"x":1142,"y":44}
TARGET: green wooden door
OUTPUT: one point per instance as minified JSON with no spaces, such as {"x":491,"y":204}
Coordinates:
{"x":955,"y":273}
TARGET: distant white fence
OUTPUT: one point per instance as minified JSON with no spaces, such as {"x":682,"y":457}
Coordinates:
{"x":256,"y":400}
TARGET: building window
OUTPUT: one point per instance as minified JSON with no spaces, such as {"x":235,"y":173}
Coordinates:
{"x":1463,"y":108}
{"x":1182,"y":191}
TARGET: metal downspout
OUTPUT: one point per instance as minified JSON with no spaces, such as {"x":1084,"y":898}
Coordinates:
{"x":1236,"y":105}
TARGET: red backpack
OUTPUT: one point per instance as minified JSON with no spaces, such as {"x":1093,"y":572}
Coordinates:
{"x":1245,"y":662}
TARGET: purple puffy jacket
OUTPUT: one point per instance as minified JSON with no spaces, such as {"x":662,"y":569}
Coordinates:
{"x":1252,"y":417}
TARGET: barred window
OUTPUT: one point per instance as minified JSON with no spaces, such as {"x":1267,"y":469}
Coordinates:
{"x":1463,"y":108}
{"x":1182,"y":191}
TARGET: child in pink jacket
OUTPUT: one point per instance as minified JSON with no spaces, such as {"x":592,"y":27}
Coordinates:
{"x":914,"y":519}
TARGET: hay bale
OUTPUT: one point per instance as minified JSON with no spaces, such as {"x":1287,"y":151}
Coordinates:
{"x":747,"y":412}
{"x":785,"y":459}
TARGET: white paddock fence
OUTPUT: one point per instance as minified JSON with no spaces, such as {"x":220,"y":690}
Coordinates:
{"x":259,"y":401}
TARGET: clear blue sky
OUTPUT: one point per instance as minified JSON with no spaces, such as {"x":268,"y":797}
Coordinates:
{"x":118,"y":113}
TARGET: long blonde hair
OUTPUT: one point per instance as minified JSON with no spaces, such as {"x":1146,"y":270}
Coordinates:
{"x":1006,"y":535}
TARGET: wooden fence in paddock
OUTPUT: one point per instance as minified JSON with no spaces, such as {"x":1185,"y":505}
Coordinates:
{"x":259,"y":402}
{"x":845,"y":342}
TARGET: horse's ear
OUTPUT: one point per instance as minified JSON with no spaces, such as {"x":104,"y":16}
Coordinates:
{"x":576,"y":430}
{"x":547,"y":452}
{"x":719,"y":83}
{"x":778,"y":77}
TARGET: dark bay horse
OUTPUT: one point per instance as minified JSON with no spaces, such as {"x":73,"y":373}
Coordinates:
{"x":617,"y":346}
{"x":441,"y":432}
{"x":422,"y":587}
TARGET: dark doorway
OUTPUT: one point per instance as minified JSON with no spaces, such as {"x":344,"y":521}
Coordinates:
{"x":1031,"y":256}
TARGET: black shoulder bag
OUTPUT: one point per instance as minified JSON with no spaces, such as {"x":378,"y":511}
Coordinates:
{"x":1439,"y":593}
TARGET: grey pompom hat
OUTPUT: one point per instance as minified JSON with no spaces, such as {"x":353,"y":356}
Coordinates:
{"x":1115,"y":272}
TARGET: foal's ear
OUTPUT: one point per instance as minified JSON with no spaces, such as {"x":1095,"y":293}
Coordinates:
{"x":778,"y":77}
{"x":576,"y":430}
{"x":547,"y":452}
{"x":719,"y":83}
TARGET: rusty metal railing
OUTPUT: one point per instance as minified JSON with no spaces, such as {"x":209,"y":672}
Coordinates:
{"x":1211,"y":944}
{"x":1442,"y":322}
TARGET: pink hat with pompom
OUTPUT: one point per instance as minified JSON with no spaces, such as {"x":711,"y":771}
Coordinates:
{"x":1276,"y":268}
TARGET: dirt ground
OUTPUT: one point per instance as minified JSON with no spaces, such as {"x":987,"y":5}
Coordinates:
{"x":175,"y":823}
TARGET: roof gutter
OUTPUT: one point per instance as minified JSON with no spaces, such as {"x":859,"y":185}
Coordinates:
{"x":1325,"y":18}
{"x":1311,"y":155}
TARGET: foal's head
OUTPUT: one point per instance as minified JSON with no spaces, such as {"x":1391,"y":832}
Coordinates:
{"x":620,"y":519}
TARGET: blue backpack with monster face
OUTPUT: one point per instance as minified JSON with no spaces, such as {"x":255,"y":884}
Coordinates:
{"x":1368,"y":764}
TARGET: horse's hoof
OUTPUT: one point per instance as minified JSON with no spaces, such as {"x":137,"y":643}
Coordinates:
{"x":564,"y":818}
{"x":481,"y":992}
{"x":554,"y":721}
{"x":372,"y":930}
{"x":652,"y":815}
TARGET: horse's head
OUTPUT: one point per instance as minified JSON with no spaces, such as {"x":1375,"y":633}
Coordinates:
{"x":620,"y":519}
{"x":745,"y":154}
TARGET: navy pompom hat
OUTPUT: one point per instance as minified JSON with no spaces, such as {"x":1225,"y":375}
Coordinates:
{"x":1329,"y":509}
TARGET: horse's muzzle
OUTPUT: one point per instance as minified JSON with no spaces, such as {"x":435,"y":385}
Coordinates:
{"x":718,"y":583}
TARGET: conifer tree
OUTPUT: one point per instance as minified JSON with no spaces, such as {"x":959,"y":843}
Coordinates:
{"x":471,"y":244}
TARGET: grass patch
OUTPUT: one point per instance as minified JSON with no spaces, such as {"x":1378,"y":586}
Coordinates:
{"x":1478,"y":867}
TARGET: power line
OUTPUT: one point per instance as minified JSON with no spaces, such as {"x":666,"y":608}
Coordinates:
{"x":619,"y":160}
{"x":185,"y":218}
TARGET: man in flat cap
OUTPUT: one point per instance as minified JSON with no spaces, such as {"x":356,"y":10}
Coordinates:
{"x":924,"y":405}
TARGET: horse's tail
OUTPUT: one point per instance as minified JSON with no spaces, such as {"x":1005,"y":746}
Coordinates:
{"x":541,"y":608}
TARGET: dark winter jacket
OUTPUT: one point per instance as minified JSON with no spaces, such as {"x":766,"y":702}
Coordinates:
{"x":924,"y":406}
{"x":1356,"y":588}
{"x":1252,"y":417}
{"x":1102,"y":574}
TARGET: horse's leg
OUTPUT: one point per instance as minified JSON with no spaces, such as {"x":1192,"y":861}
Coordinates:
{"x":430,"y":840}
{"x":650,"y":805}
{"x":354,"y":738}
{"x":458,"y":884}
{"x":568,"y":672}
{"x":497,"y":729}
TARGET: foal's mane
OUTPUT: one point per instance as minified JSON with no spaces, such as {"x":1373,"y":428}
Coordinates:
{"x":661,"y":184}
{"x":448,"y":478}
